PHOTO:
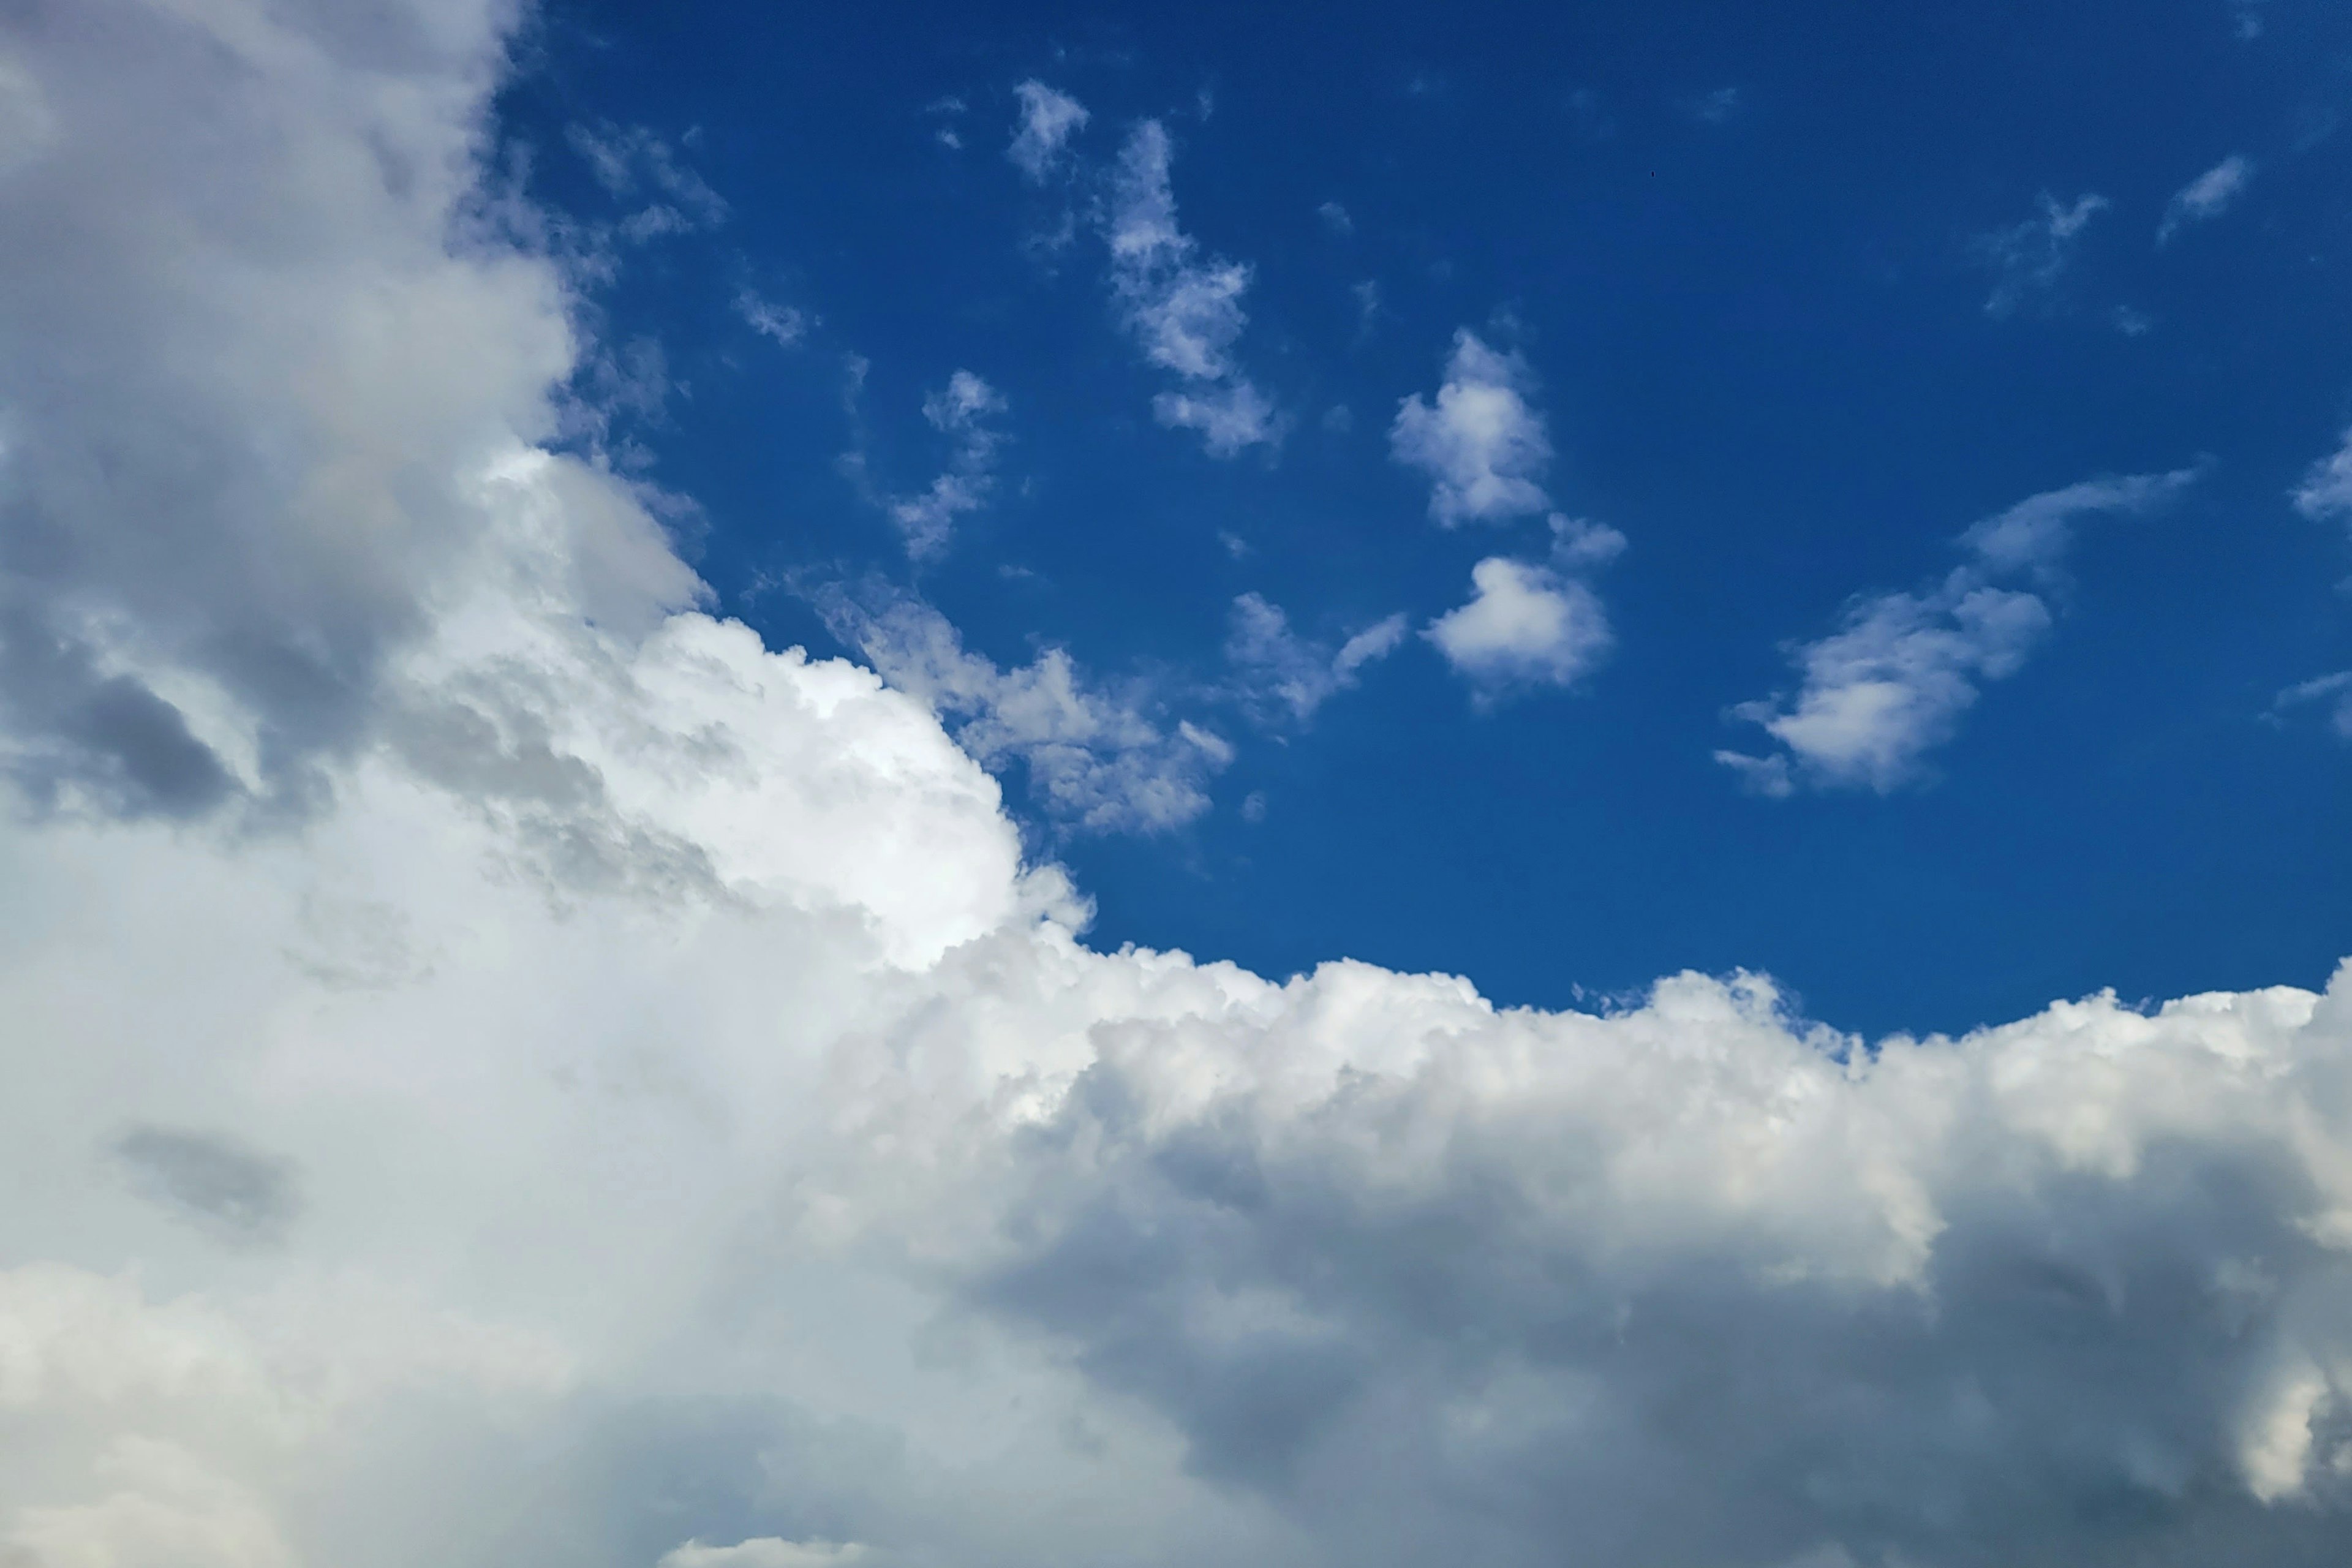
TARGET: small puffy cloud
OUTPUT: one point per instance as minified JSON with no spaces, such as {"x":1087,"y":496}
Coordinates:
{"x":1335,"y":218}
{"x":1279,"y":668}
{"x":1893,"y":682}
{"x":1483,"y":448}
{"x":1524,"y":625}
{"x":1096,"y":759}
{"x":1048,"y":120}
{"x":1718,"y":107}
{"x":1183,"y":308}
{"x":2029,"y":258}
{"x":2207,"y":196}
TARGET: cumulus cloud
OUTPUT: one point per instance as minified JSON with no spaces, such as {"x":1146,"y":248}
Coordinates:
{"x":1282,"y":672}
{"x":1182,"y":307}
{"x":1095,"y":758}
{"x":700,"y":1135}
{"x":1525,"y":624}
{"x":2207,"y":196}
{"x":1483,"y":448}
{"x":1892,"y":683}
{"x":1042,"y":134}
{"x":2029,"y":258}
{"x":781,"y":324}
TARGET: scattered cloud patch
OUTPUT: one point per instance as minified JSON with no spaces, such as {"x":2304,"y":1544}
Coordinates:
{"x":2334,"y":692}
{"x":2206,"y":197}
{"x":966,"y":410}
{"x":635,"y":165}
{"x":1292,"y":676}
{"x":2029,"y":258}
{"x":1893,"y":682}
{"x":764,"y":1552}
{"x":2325,"y":491}
{"x":1097,"y":761}
{"x":780,"y":324}
{"x":1483,"y":448}
{"x":1720,"y":107}
{"x":1336,"y":219}
{"x":1041,"y":136}
{"x":1182,"y":307}
{"x":233,"y":1193}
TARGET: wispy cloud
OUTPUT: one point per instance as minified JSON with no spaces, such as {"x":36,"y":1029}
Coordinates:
{"x":1042,"y":134}
{"x":1096,"y":757}
{"x":1183,"y":308}
{"x":2332,"y":691}
{"x":2325,"y":490}
{"x":1891,"y":684}
{"x":781,"y":324}
{"x":2029,"y":258}
{"x":2206,"y":197}
{"x":966,"y":409}
{"x":1293,"y":676}
{"x":633,"y":164}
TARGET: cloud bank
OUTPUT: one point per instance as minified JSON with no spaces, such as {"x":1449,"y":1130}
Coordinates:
{"x":567,"y":1084}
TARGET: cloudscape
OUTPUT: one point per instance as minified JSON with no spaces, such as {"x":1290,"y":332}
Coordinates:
{"x":933,"y":786}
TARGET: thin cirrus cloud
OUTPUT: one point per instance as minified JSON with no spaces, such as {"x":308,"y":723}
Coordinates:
{"x":1283,"y":673}
{"x":1893,"y":681}
{"x":2029,"y":259}
{"x":719,"y":1136}
{"x":2206,"y":197}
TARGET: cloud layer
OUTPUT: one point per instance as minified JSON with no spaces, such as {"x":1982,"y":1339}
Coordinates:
{"x":644,"y":1109}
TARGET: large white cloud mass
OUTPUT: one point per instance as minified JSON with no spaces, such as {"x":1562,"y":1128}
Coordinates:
{"x":502,"y":1069}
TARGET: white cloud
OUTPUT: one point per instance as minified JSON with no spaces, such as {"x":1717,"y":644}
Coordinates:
{"x":1277,"y":667}
{"x":1335,"y":218}
{"x":1041,"y":138}
{"x":764,"y":1552}
{"x":1525,"y":624}
{"x":2334,"y":690}
{"x":1893,"y":682}
{"x":703,"y":1127}
{"x":2326,"y":489}
{"x":2029,"y":258}
{"x":1182,"y":308}
{"x":633,"y":164}
{"x":781,"y":324}
{"x":1483,"y":448}
{"x":965,"y":409}
{"x":1094,"y":758}
{"x":2207,"y":196}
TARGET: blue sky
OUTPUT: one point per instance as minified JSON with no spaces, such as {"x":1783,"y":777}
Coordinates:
{"x":1793,"y":308}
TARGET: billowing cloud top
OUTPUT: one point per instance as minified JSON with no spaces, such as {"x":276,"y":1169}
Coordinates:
{"x":505,"y":1068}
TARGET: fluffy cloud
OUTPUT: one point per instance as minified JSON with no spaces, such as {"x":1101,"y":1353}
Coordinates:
{"x":1525,"y":624}
{"x":1891,"y":684}
{"x":2207,"y":196}
{"x":646,"y":1110}
{"x":2334,"y":691}
{"x":1183,"y":308}
{"x":2326,"y":490}
{"x":1048,"y":120}
{"x":1483,"y":448}
{"x":2029,"y":258}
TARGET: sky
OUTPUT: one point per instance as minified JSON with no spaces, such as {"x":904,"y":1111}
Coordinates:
{"x":1024,"y":784}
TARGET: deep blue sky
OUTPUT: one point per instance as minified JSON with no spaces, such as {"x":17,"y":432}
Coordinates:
{"x":1742,"y":249}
